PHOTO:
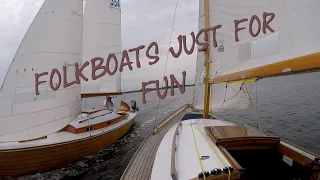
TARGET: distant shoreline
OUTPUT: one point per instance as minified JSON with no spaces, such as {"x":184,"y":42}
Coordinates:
{"x":152,"y":89}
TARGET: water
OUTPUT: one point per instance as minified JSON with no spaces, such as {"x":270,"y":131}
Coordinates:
{"x":287,"y":106}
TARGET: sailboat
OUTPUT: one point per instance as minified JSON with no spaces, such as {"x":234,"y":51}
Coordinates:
{"x":48,"y":130}
{"x":256,"y":39}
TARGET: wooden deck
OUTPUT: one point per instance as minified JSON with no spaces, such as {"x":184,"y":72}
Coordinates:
{"x":140,"y":166}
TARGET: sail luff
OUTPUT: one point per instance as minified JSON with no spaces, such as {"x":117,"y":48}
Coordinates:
{"x":296,"y":65}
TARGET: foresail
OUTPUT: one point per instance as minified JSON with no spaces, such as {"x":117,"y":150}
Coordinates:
{"x":53,"y":40}
{"x":102,"y":36}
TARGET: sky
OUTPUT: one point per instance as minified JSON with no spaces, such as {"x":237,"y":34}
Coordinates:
{"x":143,"y":21}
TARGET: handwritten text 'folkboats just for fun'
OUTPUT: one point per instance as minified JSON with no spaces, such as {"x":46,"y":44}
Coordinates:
{"x":99,"y":63}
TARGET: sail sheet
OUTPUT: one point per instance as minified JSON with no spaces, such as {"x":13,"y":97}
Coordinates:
{"x":102,"y":36}
{"x":53,"y":40}
{"x":291,"y":33}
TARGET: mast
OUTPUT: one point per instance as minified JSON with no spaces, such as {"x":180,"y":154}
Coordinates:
{"x":207,"y":63}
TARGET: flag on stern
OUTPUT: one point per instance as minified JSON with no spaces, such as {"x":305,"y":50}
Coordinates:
{"x":124,"y":106}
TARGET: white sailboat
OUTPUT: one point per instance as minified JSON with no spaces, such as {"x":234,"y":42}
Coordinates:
{"x":41,"y":132}
{"x":273,"y":38}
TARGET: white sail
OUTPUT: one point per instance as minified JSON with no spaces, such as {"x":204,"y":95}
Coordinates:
{"x":200,"y":66}
{"x":53,"y":40}
{"x":292,"y":34}
{"x":102,"y":36}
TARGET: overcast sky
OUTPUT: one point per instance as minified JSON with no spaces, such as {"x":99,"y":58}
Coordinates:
{"x":143,"y":21}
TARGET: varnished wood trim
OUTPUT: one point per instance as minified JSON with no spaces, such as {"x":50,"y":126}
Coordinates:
{"x":70,"y":129}
{"x":93,"y":127}
{"x":44,"y":137}
{"x":100,"y":125}
{"x":301,"y":159}
{"x":301,"y":148}
{"x":88,"y":95}
{"x":249,"y":143}
{"x":299,"y":64}
{"x":230,"y":159}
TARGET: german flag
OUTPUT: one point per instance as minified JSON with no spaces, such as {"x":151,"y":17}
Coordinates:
{"x":124,"y":106}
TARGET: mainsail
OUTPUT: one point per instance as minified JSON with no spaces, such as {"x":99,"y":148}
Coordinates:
{"x":273,"y":32}
{"x":53,"y":40}
{"x":102,"y":36}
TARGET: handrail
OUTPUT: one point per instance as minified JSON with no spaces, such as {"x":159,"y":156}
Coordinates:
{"x":174,"y":173}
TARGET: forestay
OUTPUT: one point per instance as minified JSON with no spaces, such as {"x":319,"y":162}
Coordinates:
{"x":292,"y":33}
{"x":102,"y":36}
{"x":53,"y":40}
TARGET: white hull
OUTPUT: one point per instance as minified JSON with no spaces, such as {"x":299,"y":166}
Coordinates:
{"x":192,"y":143}
{"x":187,"y":163}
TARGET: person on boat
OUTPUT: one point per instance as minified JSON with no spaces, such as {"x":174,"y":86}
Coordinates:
{"x":134,"y":106}
{"x":109,"y":104}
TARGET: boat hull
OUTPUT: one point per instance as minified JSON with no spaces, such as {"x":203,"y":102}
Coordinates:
{"x":30,"y":160}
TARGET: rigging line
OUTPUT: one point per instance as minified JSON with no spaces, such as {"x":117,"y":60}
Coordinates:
{"x":224,"y":99}
{"x":241,"y":87}
{"x":194,"y":88}
{"x":257,"y":117}
{"x":214,"y":151}
{"x":198,"y":154}
{"x":165,"y":67}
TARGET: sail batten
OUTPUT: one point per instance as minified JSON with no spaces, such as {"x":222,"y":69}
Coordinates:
{"x":23,"y":114}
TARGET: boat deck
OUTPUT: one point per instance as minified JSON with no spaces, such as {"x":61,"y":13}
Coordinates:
{"x":140,"y":166}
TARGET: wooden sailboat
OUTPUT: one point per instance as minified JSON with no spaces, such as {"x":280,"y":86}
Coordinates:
{"x":45,"y":131}
{"x":193,"y":145}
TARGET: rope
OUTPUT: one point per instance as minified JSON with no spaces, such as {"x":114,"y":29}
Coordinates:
{"x":215,"y":152}
{"x":236,"y":93}
{"x":257,"y":117}
{"x":198,"y":154}
{"x":165,"y":67}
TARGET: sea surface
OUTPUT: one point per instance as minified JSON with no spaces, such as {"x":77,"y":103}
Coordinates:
{"x":287,"y":106}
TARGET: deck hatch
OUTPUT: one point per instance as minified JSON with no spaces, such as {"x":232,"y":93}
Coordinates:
{"x":241,"y":137}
